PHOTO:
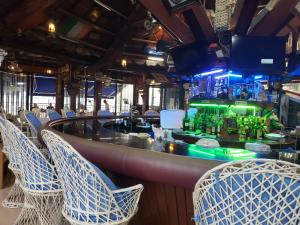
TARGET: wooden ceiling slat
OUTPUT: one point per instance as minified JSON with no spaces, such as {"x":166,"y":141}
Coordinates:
{"x":275,"y":20}
{"x":171,"y":21}
{"x":86,"y":22}
{"x":28,"y":14}
{"x":242,"y":16}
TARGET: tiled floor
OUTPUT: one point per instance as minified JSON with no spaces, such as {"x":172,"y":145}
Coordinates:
{"x":7,"y":216}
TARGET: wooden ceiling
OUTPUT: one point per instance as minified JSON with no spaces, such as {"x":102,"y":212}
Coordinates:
{"x":99,"y":33}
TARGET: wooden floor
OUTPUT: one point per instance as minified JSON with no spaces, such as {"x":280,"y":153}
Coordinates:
{"x":7,"y":216}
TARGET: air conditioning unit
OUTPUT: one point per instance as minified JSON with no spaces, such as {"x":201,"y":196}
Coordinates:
{"x":175,"y":4}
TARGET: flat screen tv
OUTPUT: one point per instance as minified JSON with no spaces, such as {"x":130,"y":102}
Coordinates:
{"x":258,"y":54}
{"x":191,"y":59}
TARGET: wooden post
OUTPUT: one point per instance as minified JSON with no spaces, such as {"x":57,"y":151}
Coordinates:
{"x":59,"y":93}
{"x":1,"y":167}
{"x":97,"y":97}
{"x":145,"y":95}
{"x":295,"y":35}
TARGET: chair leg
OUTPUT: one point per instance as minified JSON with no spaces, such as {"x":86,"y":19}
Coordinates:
{"x":48,"y":207}
{"x":28,"y":216}
{"x":15,"y":197}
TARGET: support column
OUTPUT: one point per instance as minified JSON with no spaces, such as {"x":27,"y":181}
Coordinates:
{"x":145,"y":95}
{"x":97,"y":97}
{"x":59,"y":101}
{"x":295,"y":35}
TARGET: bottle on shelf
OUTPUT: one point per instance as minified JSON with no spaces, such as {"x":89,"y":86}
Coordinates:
{"x":186,"y":122}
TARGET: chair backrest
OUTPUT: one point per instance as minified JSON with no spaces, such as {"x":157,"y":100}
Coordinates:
{"x":53,"y":115}
{"x":104,"y":113}
{"x":85,"y":191}
{"x":258,"y":191}
{"x":14,"y":161}
{"x":125,"y":114}
{"x":151,"y":113}
{"x":36,"y":172}
{"x":34,"y":123}
{"x":70,"y":114}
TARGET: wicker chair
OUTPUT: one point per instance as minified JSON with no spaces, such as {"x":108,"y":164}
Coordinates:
{"x":90,"y":197}
{"x":258,"y":191}
{"x":15,"y":198}
{"x":53,"y":115}
{"x":38,"y":179}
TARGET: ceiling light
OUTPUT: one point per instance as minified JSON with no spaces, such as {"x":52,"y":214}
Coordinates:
{"x":124,"y":62}
{"x":211,"y":72}
{"x":51,"y":27}
{"x":48,"y":71}
{"x":159,"y":59}
{"x":20,"y":83}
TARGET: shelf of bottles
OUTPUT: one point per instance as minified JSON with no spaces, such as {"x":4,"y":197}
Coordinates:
{"x":226,"y":120}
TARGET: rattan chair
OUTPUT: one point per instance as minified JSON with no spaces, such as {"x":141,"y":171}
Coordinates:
{"x":90,"y":197}
{"x":15,"y":198}
{"x":53,"y":115}
{"x":38,"y":179}
{"x":258,"y":191}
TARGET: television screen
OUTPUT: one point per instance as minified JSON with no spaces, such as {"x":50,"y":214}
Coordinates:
{"x":191,"y":59}
{"x":258,"y":54}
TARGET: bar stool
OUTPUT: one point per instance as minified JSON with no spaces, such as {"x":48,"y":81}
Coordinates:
{"x":15,"y":198}
{"x":90,"y":197}
{"x":258,"y":191}
{"x":38,"y":179}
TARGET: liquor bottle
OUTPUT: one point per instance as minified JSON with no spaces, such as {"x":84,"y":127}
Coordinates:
{"x":186,"y":121}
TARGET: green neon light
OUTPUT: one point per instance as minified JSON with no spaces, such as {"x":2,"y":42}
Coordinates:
{"x":208,"y":105}
{"x":220,"y":152}
{"x":226,"y":106}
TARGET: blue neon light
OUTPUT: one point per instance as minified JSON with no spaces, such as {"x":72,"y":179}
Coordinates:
{"x":229,"y":75}
{"x":212,"y":72}
{"x":258,"y":77}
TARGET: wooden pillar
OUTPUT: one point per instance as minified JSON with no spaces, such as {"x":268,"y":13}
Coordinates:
{"x":97,"y":97}
{"x":59,"y":100}
{"x":73,"y":95}
{"x":295,"y":35}
{"x":145,"y":95}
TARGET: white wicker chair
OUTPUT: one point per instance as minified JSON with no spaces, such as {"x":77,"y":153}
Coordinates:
{"x":15,"y":198}
{"x":258,"y":191}
{"x":38,"y":180}
{"x":35,"y":124}
{"x":90,"y":197}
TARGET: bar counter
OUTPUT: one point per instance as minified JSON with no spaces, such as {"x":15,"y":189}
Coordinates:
{"x":168,"y":171}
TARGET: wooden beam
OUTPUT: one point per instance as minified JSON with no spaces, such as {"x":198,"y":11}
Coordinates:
{"x":117,"y":47}
{"x":28,"y":14}
{"x":138,"y":69}
{"x":242,"y":16}
{"x":290,"y":27}
{"x":30,"y":49}
{"x":196,"y":17}
{"x":274,"y":20}
{"x":107,"y":7}
{"x":82,"y":20}
{"x":75,"y":41}
{"x":172,"y":22}
{"x":36,"y":69}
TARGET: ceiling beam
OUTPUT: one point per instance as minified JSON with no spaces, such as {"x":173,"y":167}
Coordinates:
{"x":138,"y":69}
{"x":118,"y":45}
{"x":75,"y":41}
{"x":144,"y":40}
{"x":17,"y":46}
{"x":274,"y":20}
{"x":198,"y":21}
{"x":107,"y":7}
{"x":28,"y":14}
{"x":172,"y":22}
{"x":242,"y":16}
{"x":293,"y":25}
{"x":82,"y":20}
